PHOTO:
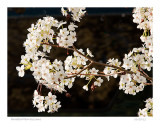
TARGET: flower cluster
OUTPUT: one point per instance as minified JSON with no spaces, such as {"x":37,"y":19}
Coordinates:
{"x":42,"y":31}
{"x":111,"y":70}
{"x":148,"y":110}
{"x":132,"y":84}
{"x":143,"y":16}
{"x":50,"y":74}
{"x":136,"y":61}
{"x":76,"y":12}
{"x":42,"y":34}
{"x":75,"y":64}
{"x":139,"y":59}
{"x":43,"y":103}
{"x":66,"y":37}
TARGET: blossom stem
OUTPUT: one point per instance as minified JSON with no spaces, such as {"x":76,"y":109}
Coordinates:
{"x":89,"y":81}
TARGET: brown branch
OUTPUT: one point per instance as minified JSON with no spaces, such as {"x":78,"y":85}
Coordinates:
{"x":113,"y":66}
{"x":98,"y":74}
{"x":148,"y":83}
{"x":126,"y":71}
{"x":145,"y":75}
{"x":101,"y":72}
{"x":79,"y":71}
{"x":103,"y":64}
{"x":57,"y":46}
{"x":82,"y":54}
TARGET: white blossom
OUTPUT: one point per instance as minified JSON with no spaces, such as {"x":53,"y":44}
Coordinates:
{"x":98,"y":81}
{"x":85,"y":87}
{"x":89,"y":53}
{"x":20,"y":70}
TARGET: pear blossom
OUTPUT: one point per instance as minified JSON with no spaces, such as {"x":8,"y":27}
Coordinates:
{"x":50,"y":98}
{"x":89,"y":53}
{"x":98,"y":81}
{"x":64,"y":12}
{"x":76,"y":12}
{"x":148,"y":110}
{"x":72,"y":26}
{"x":42,"y":103}
{"x":85,"y":87}
{"x":142,"y":112}
{"x":40,"y":107}
{"x":56,"y":106}
{"x":93,"y":71}
{"x":20,"y":70}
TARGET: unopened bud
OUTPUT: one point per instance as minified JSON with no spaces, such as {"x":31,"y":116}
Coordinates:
{"x":68,"y":95}
{"x":93,"y":87}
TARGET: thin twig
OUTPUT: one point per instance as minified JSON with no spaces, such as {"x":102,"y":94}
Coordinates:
{"x":98,"y":74}
{"x":80,"y":71}
{"x":113,"y":66}
{"x":148,"y":83}
{"x":82,"y":54}
{"x":38,"y":87}
{"x":57,"y":46}
{"x":144,"y":72}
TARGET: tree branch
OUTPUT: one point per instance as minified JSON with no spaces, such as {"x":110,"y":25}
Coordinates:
{"x":82,"y":54}
{"x":141,"y":71}
{"x":97,"y":63}
{"x":148,"y":83}
{"x":57,"y":46}
{"x":113,"y":66}
{"x":80,"y":71}
{"x":98,"y":74}
{"x":103,"y":64}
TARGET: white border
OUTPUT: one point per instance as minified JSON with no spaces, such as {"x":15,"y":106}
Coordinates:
{"x":81,"y":3}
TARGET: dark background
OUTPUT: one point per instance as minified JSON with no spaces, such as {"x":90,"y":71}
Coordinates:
{"x":108,"y":32}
